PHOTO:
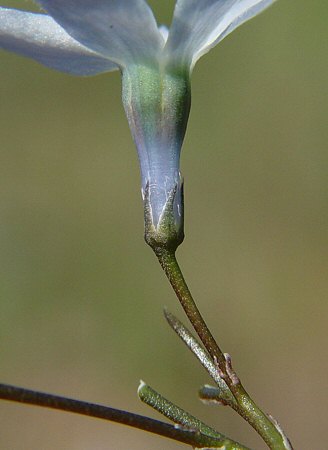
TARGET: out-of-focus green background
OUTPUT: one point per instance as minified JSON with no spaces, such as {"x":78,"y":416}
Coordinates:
{"x":82,"y":295}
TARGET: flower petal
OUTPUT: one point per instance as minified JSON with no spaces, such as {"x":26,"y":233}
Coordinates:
{"x":199,"y":25}
{"x":39,"y":37}
{"x":125,"y":31}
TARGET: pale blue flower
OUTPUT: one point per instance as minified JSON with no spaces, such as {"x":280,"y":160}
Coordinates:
{"x":86,"y":37}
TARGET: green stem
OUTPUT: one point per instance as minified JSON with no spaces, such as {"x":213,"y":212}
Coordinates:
{"x":195,"y":439}
{"x":245,"y":406}
{"x":173,"y":272}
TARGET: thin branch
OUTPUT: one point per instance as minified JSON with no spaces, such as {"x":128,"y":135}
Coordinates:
{"x":27,"y":396}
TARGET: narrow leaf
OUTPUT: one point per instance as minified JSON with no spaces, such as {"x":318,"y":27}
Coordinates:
{"x":188,"y":422}
{"x":203,"y":356}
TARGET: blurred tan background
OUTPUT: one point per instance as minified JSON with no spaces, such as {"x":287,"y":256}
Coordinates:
{"x":82,"y":295}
